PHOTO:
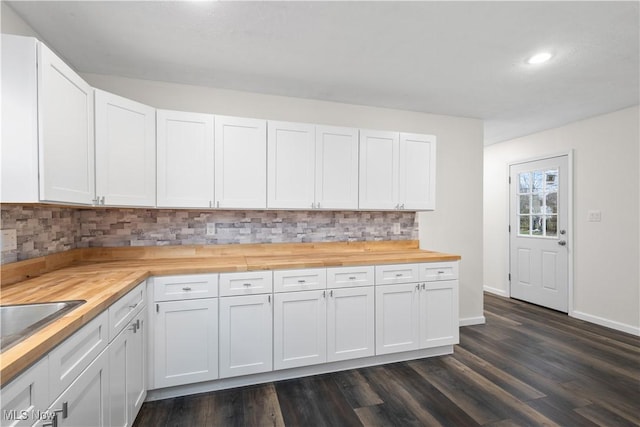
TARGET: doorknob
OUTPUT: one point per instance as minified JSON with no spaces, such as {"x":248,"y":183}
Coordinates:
{"x":562,"y":243}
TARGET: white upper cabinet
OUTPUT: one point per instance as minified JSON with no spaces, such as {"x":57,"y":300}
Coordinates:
{"x":240,"y":162}
{"x":66,"y":144}
{"x":19,"y":120}
{"x":291,"y":163}
{"x":125,"y":151}
{"x":397,"y":170}
{"x":379,"y":152}
{"x":185,"y":159}
{"x":336,"y":168}
{"x":417,"y":171}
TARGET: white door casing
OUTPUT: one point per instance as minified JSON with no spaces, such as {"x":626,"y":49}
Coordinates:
{"x":539,"y":232}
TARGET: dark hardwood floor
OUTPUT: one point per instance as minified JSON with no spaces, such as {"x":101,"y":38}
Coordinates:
{"x":527,"y":366}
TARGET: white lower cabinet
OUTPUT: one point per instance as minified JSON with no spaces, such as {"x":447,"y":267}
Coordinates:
{"x":350,"y":323}
{"x":246,"y":335}
{"x":397,"y":317}
{"x":300,"y":329}
{"x":439,"y":323}
{"x":26,"y":397}
{"x":86,"y":401}
{"x":185,"y":346}
{"x":127,"y":379}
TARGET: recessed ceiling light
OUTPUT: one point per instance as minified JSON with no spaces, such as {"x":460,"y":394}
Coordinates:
{"x":539,"y":58}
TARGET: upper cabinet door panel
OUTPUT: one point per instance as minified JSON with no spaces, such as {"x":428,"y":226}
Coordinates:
{"x":417,"y":171}
{"x":125,"y":151}
{"x":185,"y":159}
{"x":291,"y":157}
{"x":336,"y":168}
{"x":65,"y":115}
{"x":240,"y":162}
{"x":379,"y":153}
{"x":19,"y":99}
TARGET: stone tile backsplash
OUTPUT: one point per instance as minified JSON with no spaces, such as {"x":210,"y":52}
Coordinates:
{"x":44,"y":230}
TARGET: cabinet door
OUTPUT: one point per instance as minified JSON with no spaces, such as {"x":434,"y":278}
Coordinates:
{"x":186,"y":342}
{"x":26,"y":396}
{"x":65,"y":118}
{"x":379,"y":152}
{"x":350,"y":323}
{"x":185,"y":159}
{"x":417,"y":171}
{"x":439,"y":324}
{"x":300,"y":329}
{"x":125,"y":151}
{"x":86,"y":401}
{"x":397,"y":317}
{"x":127,"y":372}
{"x":336,"y":168}
{"x":19,"y":160}
{"x":246,"y":335}
{"x":241,"y":162}
{"x":290,"y":167}
{"x":137,"y":367}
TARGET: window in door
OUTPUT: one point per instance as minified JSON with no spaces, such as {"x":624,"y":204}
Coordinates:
{"x":538,"y":207}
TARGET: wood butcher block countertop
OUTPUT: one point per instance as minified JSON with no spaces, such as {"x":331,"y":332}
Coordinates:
{"x":100,"y":276}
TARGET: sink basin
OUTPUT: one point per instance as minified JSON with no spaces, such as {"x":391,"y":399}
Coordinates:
{"x":19,"y":321}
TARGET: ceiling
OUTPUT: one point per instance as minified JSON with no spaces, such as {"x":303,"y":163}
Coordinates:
{"x":455,"y":58}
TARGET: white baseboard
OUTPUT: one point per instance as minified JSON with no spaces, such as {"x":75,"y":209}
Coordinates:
{"x":633,"y":330}
{"x":496,"y":291}
{"x":468,"y":321}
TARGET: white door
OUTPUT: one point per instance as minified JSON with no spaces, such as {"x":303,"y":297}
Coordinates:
{"x":539,"y":242}
{"x":241,"y":162}
{"x":86,"y":401}
{"x":65,"y":125}
{"x":185,"y":159}
{"x":397,"y":317}
{"x":300,"y":329}
{"x":125,"y":151}
{"x":439,"y":313}
{"x":350,"y":323}
{"x":379,"y":162}
{"x":417,"y":171}
{"x":186,"y":342}
{"x":336,"y":168}
{"x":246,"y":333}
{"x":290,"y":167}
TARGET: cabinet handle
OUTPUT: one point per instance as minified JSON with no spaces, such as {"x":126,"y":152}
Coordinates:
{"x":247,"y":284}
{"x":64,"y":411}
{"x":210,"y":203}
{"x":102,"y":201}
{"x":218,"y":204}
{"x":440,"y":272}
{"x":424,"y":286}
{"x":318,"y":205}
{"x":331,"y":293}
{"x":157,"y":308}
{"x":133,"y":328}
{"x":96,"y":201}
{"x":418,"y":287}
{"x":302,"y":281}
{"x":269,"y":298}
{"x":324,"y":294}
{"x":186,"y":288}
{"x":402,"y":206}
{"x":398,"y":274}
{"x":313,"y":205}
{"x":352,"y":277}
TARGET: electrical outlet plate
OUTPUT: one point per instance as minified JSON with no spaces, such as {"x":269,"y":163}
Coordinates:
{"x":211,"y":229}
{"x":594,"y":216}
{"x":396,"y":228}
{"x":9,"y":240}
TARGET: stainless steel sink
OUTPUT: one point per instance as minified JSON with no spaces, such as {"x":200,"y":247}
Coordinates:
{"x":18,"y":321}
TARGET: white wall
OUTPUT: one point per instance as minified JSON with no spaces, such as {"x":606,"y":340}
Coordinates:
{"x":11,"y":23}
{"x":606,"y":177}
{"x":456,"y":225}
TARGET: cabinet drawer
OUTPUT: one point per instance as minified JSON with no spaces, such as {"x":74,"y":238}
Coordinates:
{"x":246,"y":283}
{"x":348,"y":277}
{"x":71,"y":357}
{"x":125,"y":309}
{"x":300,"y":280}
{"x":392,"y":274}
{"x":436,"y":271}
{"x":187,"y":286}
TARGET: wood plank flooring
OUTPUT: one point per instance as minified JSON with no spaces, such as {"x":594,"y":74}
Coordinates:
{"x":527,"y":366}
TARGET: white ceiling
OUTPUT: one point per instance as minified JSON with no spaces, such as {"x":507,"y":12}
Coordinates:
{"x":456,"y":58}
